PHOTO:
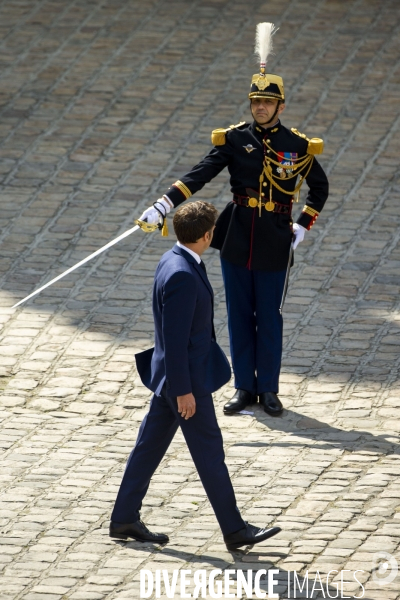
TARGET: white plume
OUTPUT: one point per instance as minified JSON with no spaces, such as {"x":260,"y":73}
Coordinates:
{"x":263,"y":47}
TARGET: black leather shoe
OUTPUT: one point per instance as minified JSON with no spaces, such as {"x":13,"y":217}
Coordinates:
{"x":138,"y":531}
{"x":239,"y":401}
{"x":249,"y":535}
{"x":271,"y":403}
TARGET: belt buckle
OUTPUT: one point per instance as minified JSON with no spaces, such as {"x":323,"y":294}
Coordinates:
{"x":269,"y":206}
{"x":252,"y":202}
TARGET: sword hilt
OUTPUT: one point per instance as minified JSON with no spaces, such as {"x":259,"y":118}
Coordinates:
{"x":148,"y":227}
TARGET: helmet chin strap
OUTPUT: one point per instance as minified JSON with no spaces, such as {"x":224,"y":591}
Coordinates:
{"x":273,"y":116}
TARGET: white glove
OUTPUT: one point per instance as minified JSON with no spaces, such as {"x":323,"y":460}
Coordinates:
{"x":152,"y":216}
{"x":299,"y":232}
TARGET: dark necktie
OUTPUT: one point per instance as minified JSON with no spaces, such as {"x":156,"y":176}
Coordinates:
{"x":203,"y":266}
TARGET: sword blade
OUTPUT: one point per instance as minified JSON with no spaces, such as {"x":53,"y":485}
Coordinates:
{"x":285,"y":285}
{"x":79,"y":264}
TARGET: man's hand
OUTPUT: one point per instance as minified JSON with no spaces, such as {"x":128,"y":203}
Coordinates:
{"x":186,"y":406}
{"x":152,"y":216}
{"x":299,"y":232}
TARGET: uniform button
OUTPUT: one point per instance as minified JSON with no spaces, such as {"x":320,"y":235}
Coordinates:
{"x":264,"y":184}
{"x":268,"y":141}
{"x":268,"y":151}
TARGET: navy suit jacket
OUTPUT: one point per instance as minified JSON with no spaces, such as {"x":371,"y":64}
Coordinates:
{"x":186,"y":356}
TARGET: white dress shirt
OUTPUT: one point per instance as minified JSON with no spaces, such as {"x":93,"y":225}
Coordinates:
{"x":194,"y":254}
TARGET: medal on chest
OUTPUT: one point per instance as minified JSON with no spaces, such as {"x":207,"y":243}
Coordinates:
{"x":286,"y":160}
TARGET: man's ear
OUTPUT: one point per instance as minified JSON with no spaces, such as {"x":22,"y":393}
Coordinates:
{"x":281,"y":108}
{"x":210,"y":234}
{"x":204,"y":238}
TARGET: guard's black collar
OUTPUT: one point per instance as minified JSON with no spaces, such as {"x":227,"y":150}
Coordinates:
{"x":263,"y":131}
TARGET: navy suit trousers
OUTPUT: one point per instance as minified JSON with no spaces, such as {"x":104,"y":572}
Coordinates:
{"x":204,"y":439}
{"x":255,"y":326}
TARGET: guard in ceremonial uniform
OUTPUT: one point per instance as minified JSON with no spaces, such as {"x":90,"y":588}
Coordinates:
{"x":267,"y":164}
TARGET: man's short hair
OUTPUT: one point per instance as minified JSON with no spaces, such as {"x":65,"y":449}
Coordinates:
{"x":191,"y":221}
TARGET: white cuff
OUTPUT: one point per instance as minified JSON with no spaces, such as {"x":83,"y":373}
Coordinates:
{"x":169,"y":200}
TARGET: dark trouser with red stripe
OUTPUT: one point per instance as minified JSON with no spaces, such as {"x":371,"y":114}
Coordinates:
{"x":255,"y":326}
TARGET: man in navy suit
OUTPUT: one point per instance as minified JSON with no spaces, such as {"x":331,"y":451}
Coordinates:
{"x":183,"y":369}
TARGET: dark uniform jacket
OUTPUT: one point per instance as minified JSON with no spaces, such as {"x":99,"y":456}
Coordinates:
{"x":243,"y":237}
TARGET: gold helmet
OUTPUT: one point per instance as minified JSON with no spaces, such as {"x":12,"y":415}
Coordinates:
{"x":265,"y":85}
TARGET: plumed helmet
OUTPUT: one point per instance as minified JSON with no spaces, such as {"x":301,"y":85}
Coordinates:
{"x":265,"y":85}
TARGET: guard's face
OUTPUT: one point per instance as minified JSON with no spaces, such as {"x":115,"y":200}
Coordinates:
{"x":263,"y":109}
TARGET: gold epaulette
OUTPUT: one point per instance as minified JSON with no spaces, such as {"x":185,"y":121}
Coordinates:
{"x":218,"y":136}
{"x":315,"y":145}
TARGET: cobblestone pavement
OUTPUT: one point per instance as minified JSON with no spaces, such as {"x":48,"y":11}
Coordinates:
{"x":103,"y":104}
